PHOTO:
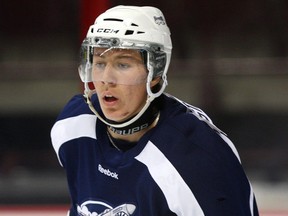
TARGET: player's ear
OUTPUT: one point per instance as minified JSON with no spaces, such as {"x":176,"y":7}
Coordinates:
{"x":155,"y":81}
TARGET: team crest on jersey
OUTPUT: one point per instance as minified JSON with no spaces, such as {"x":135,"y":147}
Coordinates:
{"x":98,"y":208}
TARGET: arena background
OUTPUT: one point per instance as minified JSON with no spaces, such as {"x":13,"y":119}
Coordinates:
{"x":229,"y":58}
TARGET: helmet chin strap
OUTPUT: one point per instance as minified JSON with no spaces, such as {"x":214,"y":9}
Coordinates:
{"x":88,"y":94}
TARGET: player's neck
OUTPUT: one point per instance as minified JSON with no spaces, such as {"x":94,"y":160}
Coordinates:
{"x":134,"y":137}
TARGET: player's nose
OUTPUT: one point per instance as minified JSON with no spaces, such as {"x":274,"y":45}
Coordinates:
{"x":108,"y":76}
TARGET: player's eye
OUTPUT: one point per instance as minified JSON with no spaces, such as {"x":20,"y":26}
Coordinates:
{"x":123,"y":66}
{"x":99,"y":65}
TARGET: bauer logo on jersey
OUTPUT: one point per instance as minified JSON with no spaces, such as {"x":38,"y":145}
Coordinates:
{"x":159,"y":20}
{"x":98,"y":208}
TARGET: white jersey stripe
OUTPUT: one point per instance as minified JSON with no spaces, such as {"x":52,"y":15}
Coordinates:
{"x":72,"y":128}
{"x":231,"y":145}
{"x":229,"y":142}
{"x":180,"y":198}
{"x":251,"y":201}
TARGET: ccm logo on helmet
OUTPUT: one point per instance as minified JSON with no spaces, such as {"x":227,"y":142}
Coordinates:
{"x":104,"y":30}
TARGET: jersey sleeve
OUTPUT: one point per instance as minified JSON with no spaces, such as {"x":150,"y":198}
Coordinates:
{"x":208,"y":162}
{"x":76,"y":120}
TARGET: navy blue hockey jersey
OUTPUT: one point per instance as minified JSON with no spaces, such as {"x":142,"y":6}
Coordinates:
{"x":184,"y":166}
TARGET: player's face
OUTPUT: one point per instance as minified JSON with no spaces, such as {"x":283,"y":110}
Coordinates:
{"x":120,"y":82}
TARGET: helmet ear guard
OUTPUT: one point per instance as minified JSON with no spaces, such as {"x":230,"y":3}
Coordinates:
{"x":158,"y":62}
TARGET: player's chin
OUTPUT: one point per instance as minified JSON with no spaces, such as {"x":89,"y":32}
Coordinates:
{"x":116,"y":116}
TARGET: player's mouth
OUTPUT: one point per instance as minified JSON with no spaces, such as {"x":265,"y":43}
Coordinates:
{"x":110,"y":99}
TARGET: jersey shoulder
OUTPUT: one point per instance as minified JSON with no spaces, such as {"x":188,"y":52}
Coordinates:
{"x":195,"y":127}
{"x":76,"y":106}
{"x":184,"y":115}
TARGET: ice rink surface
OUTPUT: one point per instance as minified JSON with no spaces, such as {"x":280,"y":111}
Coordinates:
{"x":33,"y":210}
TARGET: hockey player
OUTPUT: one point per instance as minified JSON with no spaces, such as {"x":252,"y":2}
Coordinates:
{"x":127,"y":147}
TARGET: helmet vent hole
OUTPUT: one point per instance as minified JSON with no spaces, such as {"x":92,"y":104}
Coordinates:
{"x":129,"y":32}
{"x":113,"y":19}
{"x":140,"y":32}
{"x":133,"y":24}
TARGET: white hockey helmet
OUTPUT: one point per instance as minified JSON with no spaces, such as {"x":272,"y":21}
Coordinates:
{"x":130,"y":27}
